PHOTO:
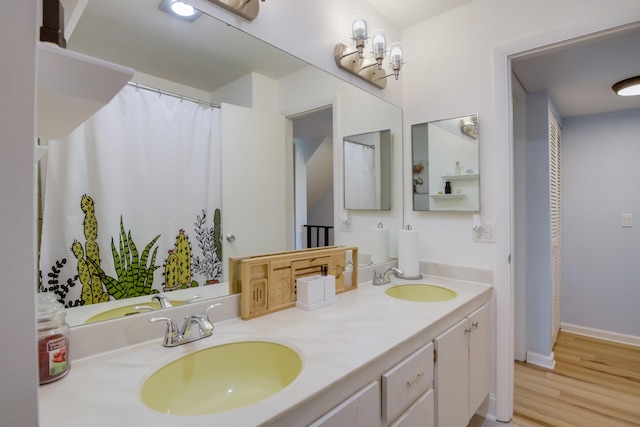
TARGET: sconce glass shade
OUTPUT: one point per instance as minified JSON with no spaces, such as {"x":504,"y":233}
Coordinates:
{"x":379,"y":46}
{"x":396,"y":58}
{"x":627,"y":87}
{"x":360,"y":34}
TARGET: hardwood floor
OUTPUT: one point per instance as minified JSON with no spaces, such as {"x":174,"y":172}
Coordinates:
{"x":594,"y":383}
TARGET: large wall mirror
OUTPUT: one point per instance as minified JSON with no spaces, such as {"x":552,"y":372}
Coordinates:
{"x":445,"y":165}
{"x":210,"y":57}
{"x":367,"y":171}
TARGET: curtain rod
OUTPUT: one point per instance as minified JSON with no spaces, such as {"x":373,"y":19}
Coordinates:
{"x":361,"y":143}
{"x":174,"y":95}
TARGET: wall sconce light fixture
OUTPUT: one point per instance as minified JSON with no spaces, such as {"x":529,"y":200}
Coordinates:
{"x":469,"y":126}
{"x":628,"y":87}
{"x":247,"y":9}
{"x":354,"y":61}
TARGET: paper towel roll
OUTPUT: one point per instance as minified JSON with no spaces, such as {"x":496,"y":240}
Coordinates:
{"x":379,"y":244}
{"x":409,"y":253}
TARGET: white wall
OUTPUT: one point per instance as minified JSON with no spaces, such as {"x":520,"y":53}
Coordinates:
{"x":601,"y":259}
{"x":19,"y":367}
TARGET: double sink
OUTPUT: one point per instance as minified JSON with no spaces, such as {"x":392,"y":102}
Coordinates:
{"x":230,"y":376}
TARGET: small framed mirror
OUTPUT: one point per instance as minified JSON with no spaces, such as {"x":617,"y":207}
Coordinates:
{"x":367,"y":171}
{"x":445,"y":165}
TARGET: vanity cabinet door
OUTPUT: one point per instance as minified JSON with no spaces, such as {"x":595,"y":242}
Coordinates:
{"x":451,"y":377}
{"x":479,"y":362}
{"x":462,"y":369}
{"x":360,"y":410}
{"x":420,"y":414}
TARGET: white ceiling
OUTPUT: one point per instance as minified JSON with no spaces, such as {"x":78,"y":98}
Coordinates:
{"x":579,"y":76}
{"x":405,"y":13}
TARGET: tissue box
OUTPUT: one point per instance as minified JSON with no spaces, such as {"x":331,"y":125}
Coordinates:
{"x":315,"y":292}
{"x":310,"y":290}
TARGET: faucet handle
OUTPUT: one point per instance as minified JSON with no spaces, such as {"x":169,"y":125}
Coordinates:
{"x":162,"y":300}
{"x":192,"y":298}
{"x":205,"y":313}
{"x":171,"y":334}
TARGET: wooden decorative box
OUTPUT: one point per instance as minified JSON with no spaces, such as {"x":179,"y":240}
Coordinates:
{"x":268,"y":282}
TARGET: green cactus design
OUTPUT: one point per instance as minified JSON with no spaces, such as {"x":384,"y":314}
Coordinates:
{"x":134,"y":276}
{"x":177,"y":267}
{"x":92,"y":290}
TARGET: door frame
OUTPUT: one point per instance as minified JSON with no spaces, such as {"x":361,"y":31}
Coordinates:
{"x":503,"y":272}
{"x":291,"y":113}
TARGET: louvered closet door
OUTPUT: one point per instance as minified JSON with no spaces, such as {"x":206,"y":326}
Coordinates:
{"x":555,"y":193}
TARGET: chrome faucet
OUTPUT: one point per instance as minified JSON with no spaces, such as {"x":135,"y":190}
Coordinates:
{"x":382,"y":277}
{"x":164,"y":302}
{"x":174,"y":337}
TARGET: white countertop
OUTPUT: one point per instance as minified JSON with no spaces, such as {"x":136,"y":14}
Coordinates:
{"x":334,"y":342}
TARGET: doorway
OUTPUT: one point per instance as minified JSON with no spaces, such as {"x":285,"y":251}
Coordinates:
{"x":313,"y":178}
{"x":511,"y":53}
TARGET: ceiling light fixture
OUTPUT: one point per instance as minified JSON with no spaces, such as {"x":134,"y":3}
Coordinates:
{"x":180,"y":9}
{"x":627,"y":87}
{"x":370,"y":70}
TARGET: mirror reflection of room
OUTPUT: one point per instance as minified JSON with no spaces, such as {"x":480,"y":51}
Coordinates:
{"x":445,"y":165}
{"x":162,"y":159}
{"x":367,"y":178}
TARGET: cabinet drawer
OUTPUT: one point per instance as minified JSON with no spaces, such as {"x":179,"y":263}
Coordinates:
{"x":360,"y":410}
{"x":403,"y":383}
{"x":421,"y":413}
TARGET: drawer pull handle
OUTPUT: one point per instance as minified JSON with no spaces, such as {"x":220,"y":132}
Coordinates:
{"x":475,"y":325}
{"x":414,"y":381}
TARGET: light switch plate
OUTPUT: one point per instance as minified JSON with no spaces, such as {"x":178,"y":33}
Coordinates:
{"x":627,"y":220}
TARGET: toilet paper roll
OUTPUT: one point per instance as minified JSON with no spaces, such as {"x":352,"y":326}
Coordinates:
{"x":409,"y":252}
{"x":379,"y":244}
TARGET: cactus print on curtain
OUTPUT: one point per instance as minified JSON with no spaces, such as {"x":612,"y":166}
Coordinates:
{"x":132,"y":201}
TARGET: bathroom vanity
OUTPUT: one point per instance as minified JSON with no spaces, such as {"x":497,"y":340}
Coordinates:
{"x":367,"y":360}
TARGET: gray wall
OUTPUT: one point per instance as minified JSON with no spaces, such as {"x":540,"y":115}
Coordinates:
{"x":601,"y":259}
{"x":538,"y":237}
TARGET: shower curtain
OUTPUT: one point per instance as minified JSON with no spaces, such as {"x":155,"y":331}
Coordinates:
{"x":359,"y":176}
{"x":132,"y":202}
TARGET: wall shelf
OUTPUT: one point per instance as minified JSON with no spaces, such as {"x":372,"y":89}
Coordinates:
{"x":72,"y":87}
{"x":448,"y":196}
{"x":460,"y":177}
